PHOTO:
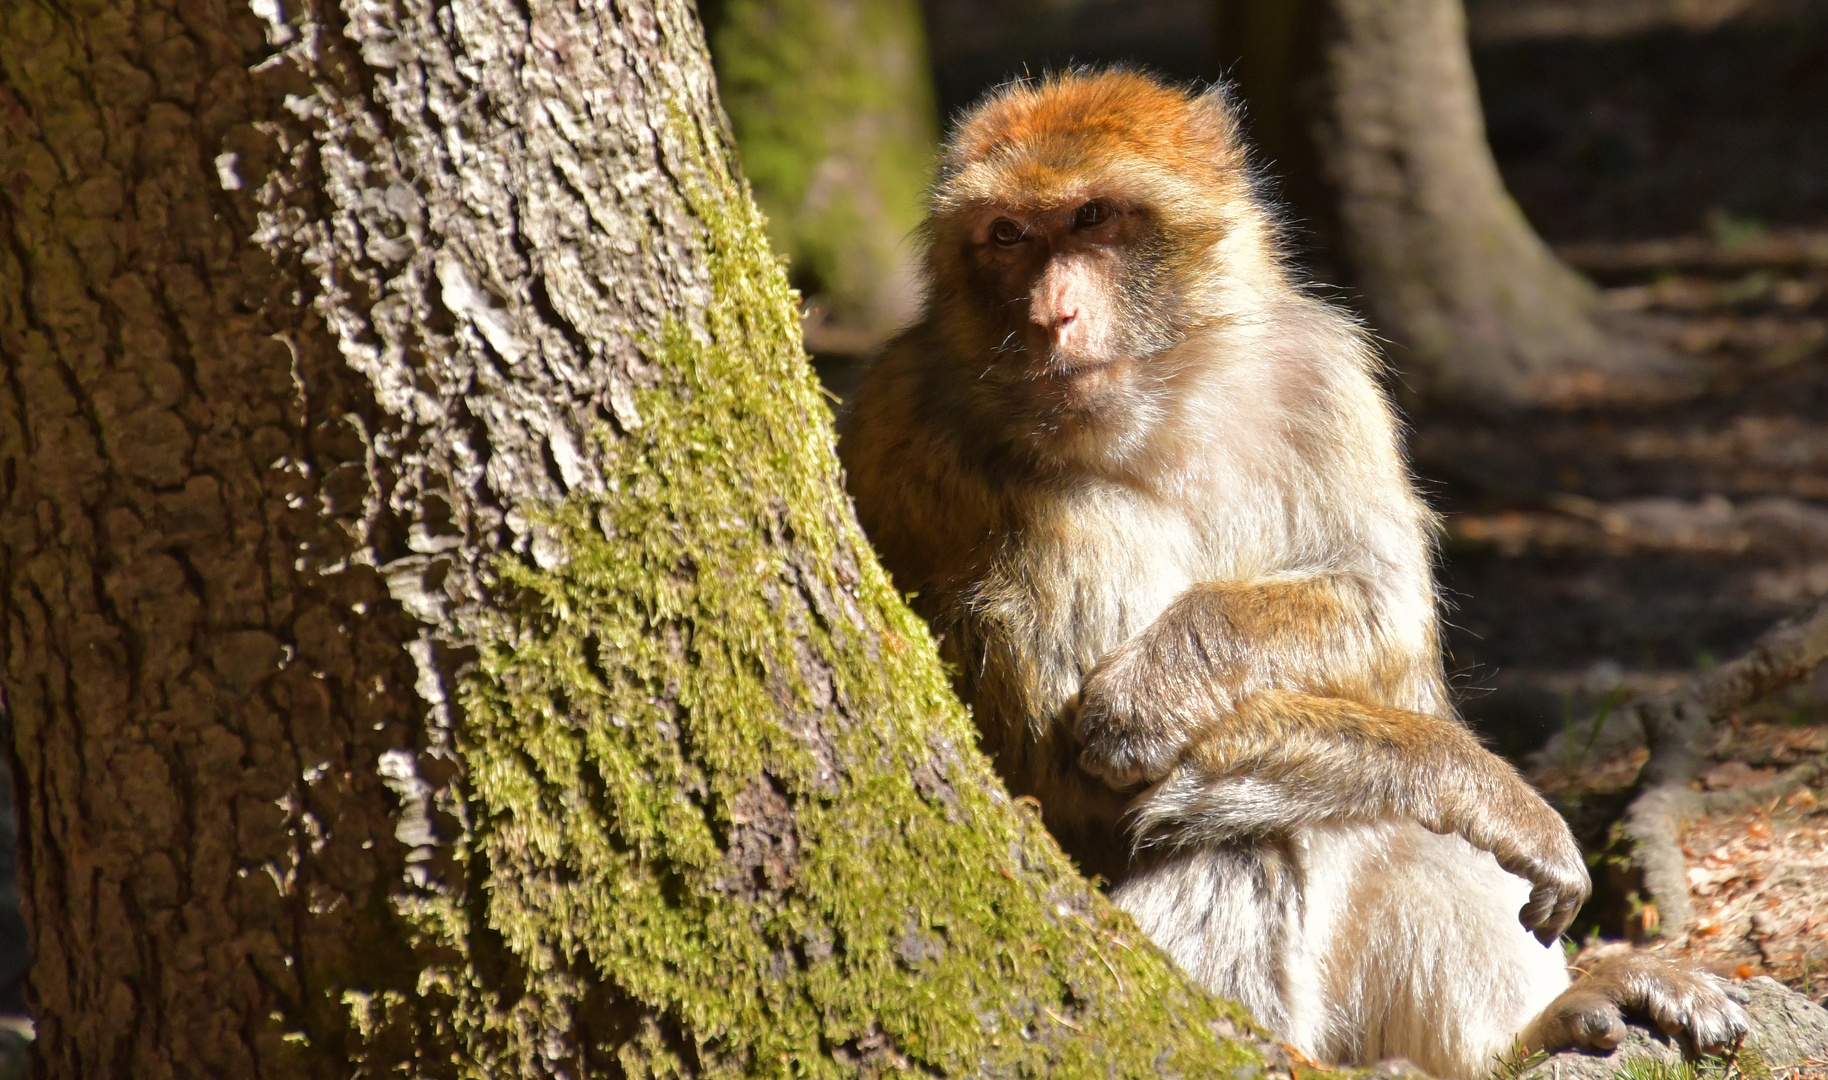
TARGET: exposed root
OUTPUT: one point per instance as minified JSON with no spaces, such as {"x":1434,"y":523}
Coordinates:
{"x":1653,"y":825}
{"x":1676,"y":726}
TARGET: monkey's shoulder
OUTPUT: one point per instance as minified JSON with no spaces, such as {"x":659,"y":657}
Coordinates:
{"x":920,"y":489}
{"x":1288,"y":413}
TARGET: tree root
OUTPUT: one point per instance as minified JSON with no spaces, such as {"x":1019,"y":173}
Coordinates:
{"x":1676,"y":729}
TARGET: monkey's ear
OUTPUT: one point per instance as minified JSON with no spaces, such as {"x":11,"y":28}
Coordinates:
{"x":1215,"y":122}
{"x":1217,"y":115}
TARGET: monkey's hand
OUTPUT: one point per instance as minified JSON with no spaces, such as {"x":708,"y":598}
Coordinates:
{"x":1125,"y":720}
{"x":1215,"y":645}
{"x":1531,"y":840}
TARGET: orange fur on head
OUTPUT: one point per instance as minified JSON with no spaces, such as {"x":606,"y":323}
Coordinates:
{"x":1049,"y":142}
{"x":1201,"y":248}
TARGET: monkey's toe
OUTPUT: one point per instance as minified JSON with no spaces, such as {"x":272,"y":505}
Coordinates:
{"x":1597,"y":1025}
{"x":1697,"y":1009}
{"x":1580,"y":1019}
{"x":1603,"y":1030}
{"x":1717,"y":1031}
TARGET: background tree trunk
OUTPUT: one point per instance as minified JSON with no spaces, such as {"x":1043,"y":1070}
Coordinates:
{"x":435,"y":637}
{"x":1370,"y":114}
{"x":832,"y":105}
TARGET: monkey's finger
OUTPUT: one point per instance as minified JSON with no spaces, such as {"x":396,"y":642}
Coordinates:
{"x":1536,"y":912}
{"x":1549,"y":912}
{"x":1119,"y":771}
{"x":1567,"y":905}
{"x":1539,"y":915}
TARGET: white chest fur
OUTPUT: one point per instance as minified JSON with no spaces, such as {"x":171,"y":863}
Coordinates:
{"x":1078,"y":582}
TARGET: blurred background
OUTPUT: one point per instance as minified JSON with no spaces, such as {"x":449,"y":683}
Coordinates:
{"x":1593,"y":237}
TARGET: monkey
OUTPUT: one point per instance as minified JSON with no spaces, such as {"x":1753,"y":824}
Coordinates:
{"x":1147,"y":489}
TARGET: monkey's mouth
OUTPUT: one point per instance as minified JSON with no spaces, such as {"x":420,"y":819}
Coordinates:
{"x":1064,"y":365}
{"x":1084,"y":378}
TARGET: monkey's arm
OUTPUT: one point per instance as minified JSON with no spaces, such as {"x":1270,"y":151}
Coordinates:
{"x":1283,"y":760}
{"x":1267,"y":705}
{"x":1220,"y":643}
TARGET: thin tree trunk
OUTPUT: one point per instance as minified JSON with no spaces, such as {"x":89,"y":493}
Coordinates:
{"x":1370,"y":111}
{"x":435,"y":638}
{"x":832,"y":105}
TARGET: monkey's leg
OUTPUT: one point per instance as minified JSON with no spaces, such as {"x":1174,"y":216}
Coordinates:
{"x":1356,"y":942}
{"x":1229,"y":915}
{"x":1685,"y":1003}
{"x":1416,"y":950}
{"x":1282,"y":761}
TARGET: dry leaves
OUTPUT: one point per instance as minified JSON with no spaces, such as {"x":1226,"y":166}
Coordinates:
{"x":1759,"y":883}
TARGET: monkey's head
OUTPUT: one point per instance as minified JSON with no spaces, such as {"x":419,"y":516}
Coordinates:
{"x":1083,"y":228}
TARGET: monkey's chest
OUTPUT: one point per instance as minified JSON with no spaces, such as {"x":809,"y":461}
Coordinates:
{"x":1070,"y":588}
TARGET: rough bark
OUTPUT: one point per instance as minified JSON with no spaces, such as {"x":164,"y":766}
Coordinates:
{"x":1370,"y":112}
{"x":435,"y":637}
{"x":199,"y":710}
{"x":832,"y":105}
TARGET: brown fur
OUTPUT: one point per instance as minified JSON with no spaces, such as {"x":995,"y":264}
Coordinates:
{"x":1151,"y":498}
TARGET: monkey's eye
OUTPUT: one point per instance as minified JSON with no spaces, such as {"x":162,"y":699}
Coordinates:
{"x":1092,"y":213}
{"x":1006,"y":232}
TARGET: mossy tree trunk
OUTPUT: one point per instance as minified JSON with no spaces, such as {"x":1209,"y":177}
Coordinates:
{"x":1369,"y":113}
{"x":435,"y":639}
{"x":833,"y":108}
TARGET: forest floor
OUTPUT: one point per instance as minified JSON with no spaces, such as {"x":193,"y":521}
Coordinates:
{"x":1599,"y":554}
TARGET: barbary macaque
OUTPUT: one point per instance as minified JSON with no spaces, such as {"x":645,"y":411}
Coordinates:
{"x":1150,"y":495}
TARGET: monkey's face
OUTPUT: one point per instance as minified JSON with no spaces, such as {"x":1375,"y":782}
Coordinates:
{"x":1074,"y":287}
{"x":1069,"y":309}
{"x":1083,"y":228}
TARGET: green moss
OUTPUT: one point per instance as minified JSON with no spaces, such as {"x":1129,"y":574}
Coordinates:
{"x":833,"y":110}
{"x":648,"y":818}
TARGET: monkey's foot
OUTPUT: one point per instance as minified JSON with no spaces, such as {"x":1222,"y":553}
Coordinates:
{"x":1689,"y":1005}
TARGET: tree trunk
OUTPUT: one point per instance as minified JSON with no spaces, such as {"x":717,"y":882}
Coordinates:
{"x":1370,"y":113}
{"x":832,"y":105}
{"x":435,"y":637}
